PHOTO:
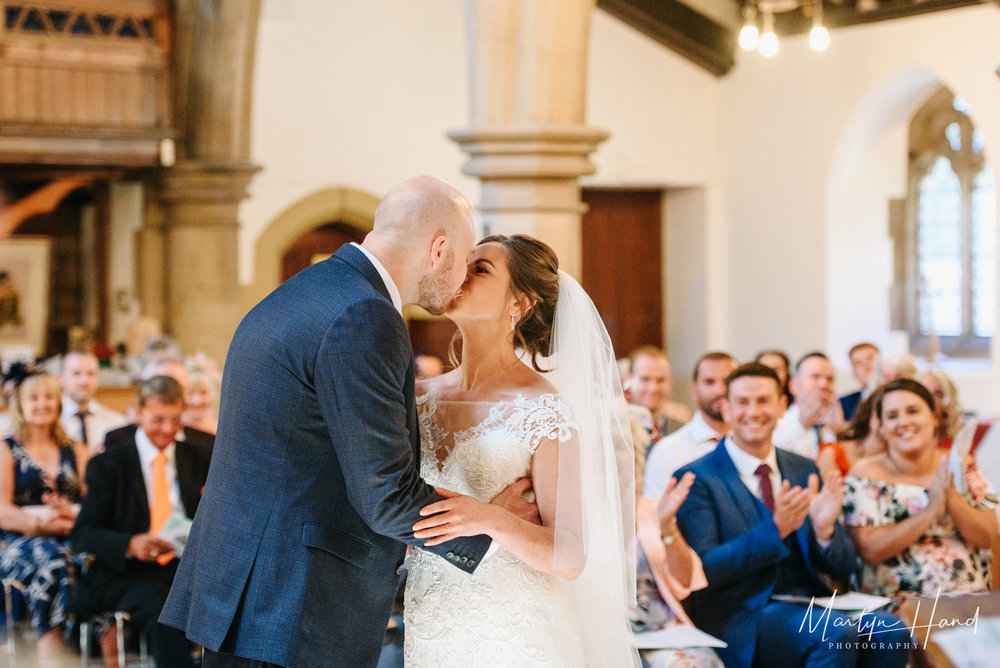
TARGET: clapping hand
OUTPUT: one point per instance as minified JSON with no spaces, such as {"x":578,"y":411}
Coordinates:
{"x":824,"y":509}
{"x":937,"y":491}
{"x":671,"y":501}
{"x":791,"y":506}
{"x":814,"y":407}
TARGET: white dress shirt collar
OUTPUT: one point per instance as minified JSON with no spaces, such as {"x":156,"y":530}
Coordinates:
{"x":700,"y":431}
{"x":746,"y":466}
{"x":390,"y":285}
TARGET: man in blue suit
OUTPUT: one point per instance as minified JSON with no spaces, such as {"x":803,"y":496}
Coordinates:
{"x":762,"y":527}
{"x":314,"y":484}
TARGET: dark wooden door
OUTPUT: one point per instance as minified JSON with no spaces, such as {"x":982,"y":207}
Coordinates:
{"x":315,"y":245}
{"x":622,"y":268}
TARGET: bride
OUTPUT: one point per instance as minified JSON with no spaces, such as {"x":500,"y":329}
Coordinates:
{"x":536,"y":394}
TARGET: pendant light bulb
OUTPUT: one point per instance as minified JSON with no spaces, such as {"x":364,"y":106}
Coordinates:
{"x":749,"y":37}
{"x":819,"y":37}
{"x":768,"y":40}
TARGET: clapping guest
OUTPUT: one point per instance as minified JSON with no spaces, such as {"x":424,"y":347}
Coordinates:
{"x":668,"y":570}
{"x":947,"y":406}
{"x":861,"y":439}
{"x":914,"y":529}
{"x":39,"y":483}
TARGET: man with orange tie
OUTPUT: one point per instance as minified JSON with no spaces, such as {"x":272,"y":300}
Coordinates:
{"x":131,"y":492}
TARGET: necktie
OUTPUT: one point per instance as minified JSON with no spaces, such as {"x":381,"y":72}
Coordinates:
{"x":82,"y":417}
{"x":766,"y":491}
{"x":159,"y":511}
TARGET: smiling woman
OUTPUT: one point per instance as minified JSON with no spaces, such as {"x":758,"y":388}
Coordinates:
{"x":916,"y":528}
{"x":39,"y":483}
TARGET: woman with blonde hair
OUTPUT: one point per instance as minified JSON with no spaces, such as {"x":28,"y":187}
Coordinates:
{"x":200,"y":397}
{"x":947,"y":407}
{"x":40,"y":481}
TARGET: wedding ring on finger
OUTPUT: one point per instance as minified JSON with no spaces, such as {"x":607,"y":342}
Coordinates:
{"x":446,"y":529}
{"x":154,"y":553}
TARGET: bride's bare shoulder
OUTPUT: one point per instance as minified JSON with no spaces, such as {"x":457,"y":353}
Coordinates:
{"x":536,"y":385}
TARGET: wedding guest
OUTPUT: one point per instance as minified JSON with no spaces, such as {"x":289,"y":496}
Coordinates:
{"x":947,"y":406}
{"x":200,"y":397}
{"x":760,"y":523}
{"x":782,"y":365}
{"x":649,"y":384}
{"x":915,"y":530}
{"x":815,"y":418}
{"x":861,"y":439}
{"x":133,"y":567}
{"x":85,"y":419}
{"x":39,"y":483}
{"x":667,"y":571}
{"x":699,"y":436}
{"x":893,"y":367}
{"x":863,"y":357}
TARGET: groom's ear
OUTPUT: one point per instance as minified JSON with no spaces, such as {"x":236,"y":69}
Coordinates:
{"x":438,"y":250}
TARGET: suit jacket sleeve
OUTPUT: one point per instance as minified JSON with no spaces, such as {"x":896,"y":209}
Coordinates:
{"x":361,"y":377}
{"x":725,"y":561}
{"x":92,"y":533}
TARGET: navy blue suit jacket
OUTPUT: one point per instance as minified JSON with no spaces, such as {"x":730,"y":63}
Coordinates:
{"x":849,"y":404}
{"x":314,"y":484}
{"x":734,"y":534}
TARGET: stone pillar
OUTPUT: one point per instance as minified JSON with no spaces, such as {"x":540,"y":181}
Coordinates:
{"x":199,"y":246}
{"x":527,"y":141}
{"x":191,"y":242}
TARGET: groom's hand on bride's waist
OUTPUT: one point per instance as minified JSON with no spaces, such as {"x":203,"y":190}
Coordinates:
{"x":512,"y":499}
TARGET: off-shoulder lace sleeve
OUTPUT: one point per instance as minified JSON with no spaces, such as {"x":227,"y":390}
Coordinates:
{"x":547,"y":417}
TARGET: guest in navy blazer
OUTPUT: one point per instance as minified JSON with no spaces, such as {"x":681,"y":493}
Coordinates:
{"x":314,"y":486}
{"x":765,"y":532}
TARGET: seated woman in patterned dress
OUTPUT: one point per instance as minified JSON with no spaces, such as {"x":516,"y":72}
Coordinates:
{"x":39,"y":483}
{"x":916,"y":531}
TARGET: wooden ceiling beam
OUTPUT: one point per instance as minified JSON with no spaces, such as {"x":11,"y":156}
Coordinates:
{"x":679,"y":28}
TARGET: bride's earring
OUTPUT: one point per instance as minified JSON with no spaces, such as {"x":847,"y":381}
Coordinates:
{"x":513,"y":322}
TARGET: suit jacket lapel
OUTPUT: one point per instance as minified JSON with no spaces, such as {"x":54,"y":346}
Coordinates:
{"x":190,"y":492}
{"x":749,"y":506}
{"x":140,"y":495}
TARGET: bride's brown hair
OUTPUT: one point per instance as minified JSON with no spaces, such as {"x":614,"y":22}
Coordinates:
{"x":534,"y":278}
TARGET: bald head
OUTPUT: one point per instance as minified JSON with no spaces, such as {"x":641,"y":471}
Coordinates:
{"x":424,"y":232}
{"x":421,"y":208}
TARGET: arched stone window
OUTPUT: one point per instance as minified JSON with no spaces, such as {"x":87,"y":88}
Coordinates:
{"x":951,"y":220}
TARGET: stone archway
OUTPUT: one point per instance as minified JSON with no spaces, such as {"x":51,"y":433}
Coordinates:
{"x":346,"y":205}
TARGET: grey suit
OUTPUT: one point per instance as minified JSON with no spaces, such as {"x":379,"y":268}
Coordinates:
{"x":314,"y":484}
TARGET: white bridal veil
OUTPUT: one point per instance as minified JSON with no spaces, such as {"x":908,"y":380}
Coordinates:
{"x":595,"y":504}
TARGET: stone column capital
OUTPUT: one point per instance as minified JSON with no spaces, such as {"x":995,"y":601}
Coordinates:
{"x":550,"y":151}
{"x":193,"y":182}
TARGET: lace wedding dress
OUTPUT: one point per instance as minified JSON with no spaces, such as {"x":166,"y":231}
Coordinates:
{"x":506,"y":613}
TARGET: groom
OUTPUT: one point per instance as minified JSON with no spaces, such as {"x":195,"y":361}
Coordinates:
{"x":314,"y":484}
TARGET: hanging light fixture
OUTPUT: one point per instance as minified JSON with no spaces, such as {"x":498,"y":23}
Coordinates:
{"x":768,"y":40}
{"x":749,"y":37}
{"x":819,"y":38}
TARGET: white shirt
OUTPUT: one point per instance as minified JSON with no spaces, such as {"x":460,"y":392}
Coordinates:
{"x":390,"y":285}
{"x":148,"y":452}
{"x":693,"y":440}
{"x":100,"y":421}
{"x":746,"y":465}
{"x":790,"y":435}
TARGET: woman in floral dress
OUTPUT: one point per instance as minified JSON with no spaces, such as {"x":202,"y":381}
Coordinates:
{"x":39,"y":483}
{"x":916,"y":531}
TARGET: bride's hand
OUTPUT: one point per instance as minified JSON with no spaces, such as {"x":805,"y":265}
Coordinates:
{"x":457,"y":515}
{"x":512,"y":500}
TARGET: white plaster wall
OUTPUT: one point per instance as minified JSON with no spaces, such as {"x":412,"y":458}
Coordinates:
{"x":809,"y":255}
{"x":353,"y":94}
